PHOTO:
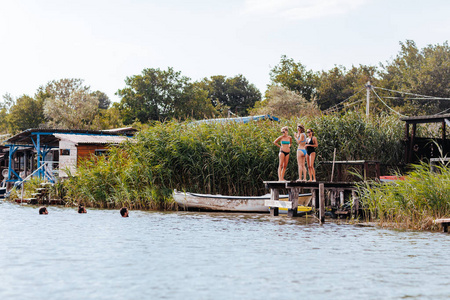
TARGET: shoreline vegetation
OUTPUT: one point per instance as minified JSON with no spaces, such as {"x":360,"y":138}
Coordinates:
{"x":235,"y":159}
{"x":413,"y":203}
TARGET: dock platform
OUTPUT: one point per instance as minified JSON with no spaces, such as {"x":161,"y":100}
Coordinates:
{"x":337,"y":191}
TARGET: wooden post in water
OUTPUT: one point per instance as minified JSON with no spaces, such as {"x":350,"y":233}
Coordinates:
{"x":274,"y":195}
{"x":321,"y":202}
{"x":293,"y":197}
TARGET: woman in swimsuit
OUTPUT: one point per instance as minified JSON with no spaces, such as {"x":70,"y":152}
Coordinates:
{"x":311,"y":145}
{"x":285,"y":146}
{"x":300,"y":137}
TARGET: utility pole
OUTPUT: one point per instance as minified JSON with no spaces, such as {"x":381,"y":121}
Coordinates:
{"x":368,"y":87}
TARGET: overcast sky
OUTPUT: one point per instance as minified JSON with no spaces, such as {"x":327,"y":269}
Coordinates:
{"x":104,"y":41}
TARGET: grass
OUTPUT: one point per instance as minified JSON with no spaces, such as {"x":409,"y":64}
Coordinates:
{"x":229,"y":159}
{"x":412,"y":203}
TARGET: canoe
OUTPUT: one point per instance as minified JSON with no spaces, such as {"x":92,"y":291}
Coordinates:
{"x":254,"y":204}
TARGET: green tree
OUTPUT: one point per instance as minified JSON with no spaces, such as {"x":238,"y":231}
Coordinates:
{"x":69,"y":104}
{"x":423,"y":72}
{"x":295,"y":77}
{"x":25,"y":113}
{"x":159,"y":94}
{"x":234,"y":93}
{"x":281,"y":102}
{"x":103,"y":100}
{"x":338,"y":84}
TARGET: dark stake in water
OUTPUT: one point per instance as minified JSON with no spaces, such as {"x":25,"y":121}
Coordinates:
{"x":185,"y":255}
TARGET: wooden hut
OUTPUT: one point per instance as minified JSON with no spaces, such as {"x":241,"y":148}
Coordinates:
{"x":49,"y":152}
{"x":419,"y":148}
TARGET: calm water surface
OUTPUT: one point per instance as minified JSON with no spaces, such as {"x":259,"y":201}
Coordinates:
{"x":189,"y":255}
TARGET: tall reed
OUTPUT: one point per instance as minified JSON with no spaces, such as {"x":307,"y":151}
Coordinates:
{"x":412,"y":203}
{"x":230,"y":159}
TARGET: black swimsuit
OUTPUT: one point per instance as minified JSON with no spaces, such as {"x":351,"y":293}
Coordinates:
{"x":285,"y":153}
{"x":310,"y":150}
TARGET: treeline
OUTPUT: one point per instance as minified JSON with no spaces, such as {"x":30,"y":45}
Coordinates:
{"x":158,"y":95}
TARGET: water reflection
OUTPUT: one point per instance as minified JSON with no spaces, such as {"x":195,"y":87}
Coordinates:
{"x":189,"y":255}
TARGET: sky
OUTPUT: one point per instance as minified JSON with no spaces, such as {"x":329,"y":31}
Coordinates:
{"x":105,"y":41}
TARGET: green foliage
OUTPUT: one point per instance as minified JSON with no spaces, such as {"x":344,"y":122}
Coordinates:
{"x":411,"y":203}
{"x":357,"y":137}
{"x":295,"y":77}
{"x":158,"y":95}
{"x":424,"y":72}
{"x":69,"y":104}
{"x":25,"y":113}
{"x":235,"y":93}
{"x":283,"y":103}
{"x":337,"y":84}
{"x":230,"y":159}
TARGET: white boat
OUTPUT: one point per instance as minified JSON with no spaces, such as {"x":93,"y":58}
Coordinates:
{"x":188,"y":200}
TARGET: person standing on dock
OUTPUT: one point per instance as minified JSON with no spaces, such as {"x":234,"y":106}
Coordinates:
{"x":285,"y":146}
{"x":300,"y":137}
{"x":311,"y":145}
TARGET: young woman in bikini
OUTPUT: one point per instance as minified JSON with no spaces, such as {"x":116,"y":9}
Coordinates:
{"x":300,"y":137}
{"x":311,"y":145}
{"x":285,"y":146}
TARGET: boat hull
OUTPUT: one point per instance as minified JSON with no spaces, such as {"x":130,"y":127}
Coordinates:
{"x":231,"y":203}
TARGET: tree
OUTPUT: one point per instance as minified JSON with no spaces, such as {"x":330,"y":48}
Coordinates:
{"x":235,"y":93}
{"x":338,"y":84}
{"x":25,"y":113}
{"x":158,"y":94}
{"x":281,"y":102}
{"x":294,"y":77}
{"x":423,"y":72}
{"x":103,"y":100}
{"x":69,"y":104}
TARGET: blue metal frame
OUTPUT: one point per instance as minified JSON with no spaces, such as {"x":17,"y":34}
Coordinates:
{"x":42,"y":151}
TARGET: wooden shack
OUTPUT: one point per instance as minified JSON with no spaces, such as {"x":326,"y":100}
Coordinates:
{"x":52,"y":151}
{"x":420,"y":148}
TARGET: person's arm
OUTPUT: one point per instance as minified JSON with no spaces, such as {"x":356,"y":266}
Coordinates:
{"x":290,"y":137}
{"x":314,"y":144}
{"x":297,"y":137}
{"x":277,"y":140}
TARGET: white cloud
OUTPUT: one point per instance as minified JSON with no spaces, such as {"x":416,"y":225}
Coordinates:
{"x":301,"y":9}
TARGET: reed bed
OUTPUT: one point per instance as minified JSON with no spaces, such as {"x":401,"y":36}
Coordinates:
{"x":412,"y":203}
{"x":229,"y":159}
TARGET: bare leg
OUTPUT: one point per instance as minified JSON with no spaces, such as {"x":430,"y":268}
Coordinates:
{"x":280,"y":165}
{"x":284,"y":166}
{"x":303,"y":168}
{"x":313,"y":171}
{"x":308,"y":163}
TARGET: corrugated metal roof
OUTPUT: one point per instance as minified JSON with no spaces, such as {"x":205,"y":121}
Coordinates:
{"x":91,"y":139}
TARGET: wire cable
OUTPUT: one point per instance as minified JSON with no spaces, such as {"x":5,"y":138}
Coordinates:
{"x":379,"y":98}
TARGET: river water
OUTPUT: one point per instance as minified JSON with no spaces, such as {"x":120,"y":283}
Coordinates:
{"x":191,"y":255}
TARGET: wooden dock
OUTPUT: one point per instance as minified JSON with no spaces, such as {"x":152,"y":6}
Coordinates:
{"x":444,"y":222}
{"x":337,"y":191}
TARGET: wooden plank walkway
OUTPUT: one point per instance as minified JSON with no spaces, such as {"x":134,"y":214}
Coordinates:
{"x":318,"y":191}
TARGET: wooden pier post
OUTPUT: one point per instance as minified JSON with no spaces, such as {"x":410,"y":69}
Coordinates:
{"x":321,"y":202}
{"x":274,"y":196}
{"x":293,"y":197}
